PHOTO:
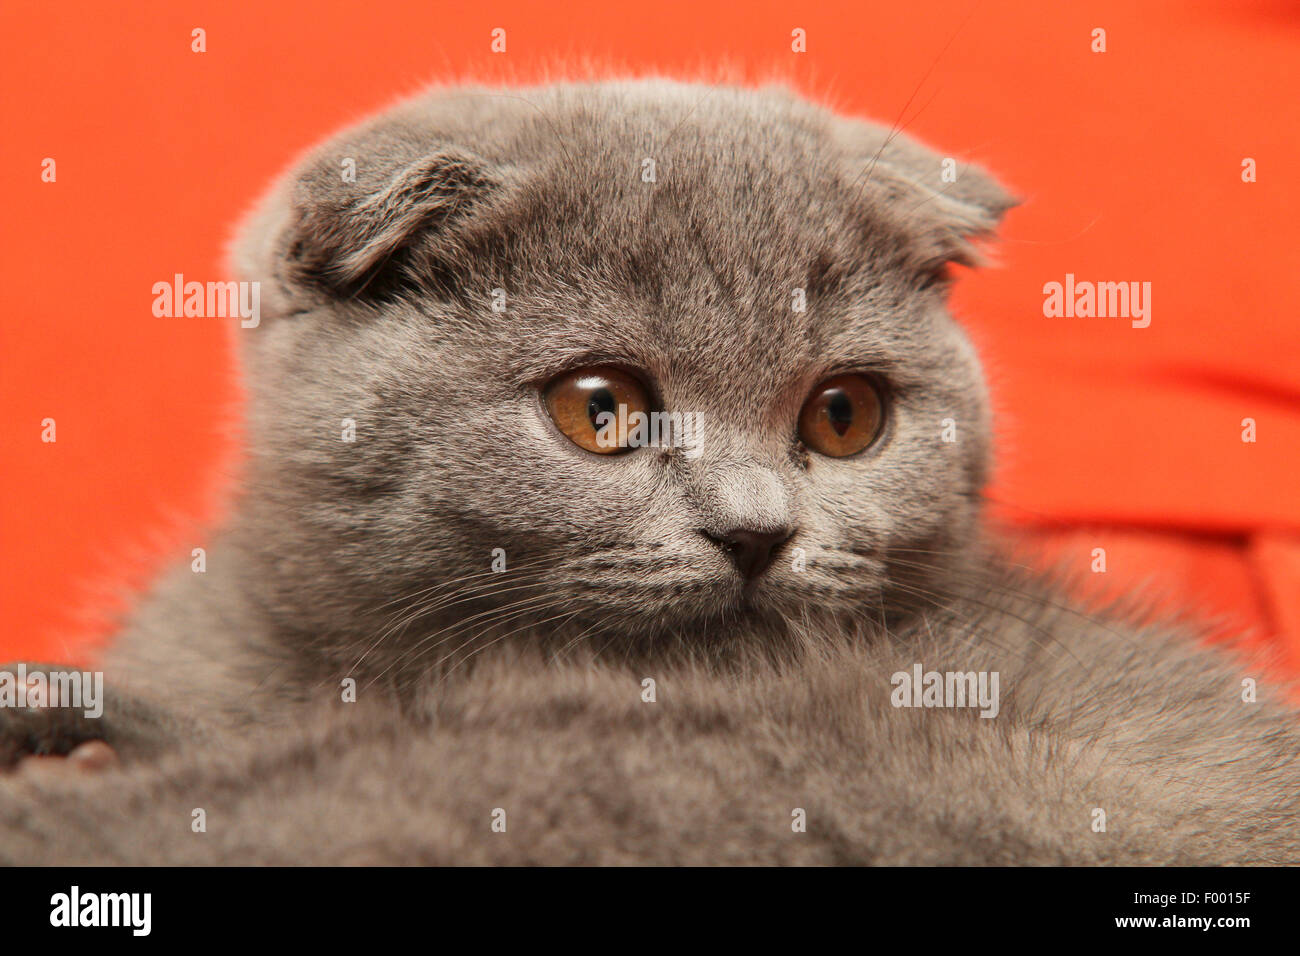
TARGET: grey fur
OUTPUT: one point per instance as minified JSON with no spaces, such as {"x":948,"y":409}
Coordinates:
{"x":521,"y":690}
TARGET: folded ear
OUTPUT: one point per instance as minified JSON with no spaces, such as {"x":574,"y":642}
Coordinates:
{"x":940,"y":202}
{"x":346,"y":222}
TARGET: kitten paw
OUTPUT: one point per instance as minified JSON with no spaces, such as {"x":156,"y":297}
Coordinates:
{"x":92,"y":757}
{"x":36,"y":725}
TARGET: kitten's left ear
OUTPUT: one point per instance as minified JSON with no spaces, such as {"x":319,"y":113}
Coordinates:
{"x":940,"y":202}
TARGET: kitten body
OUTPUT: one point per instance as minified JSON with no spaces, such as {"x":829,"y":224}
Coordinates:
{"x":423,"y":277}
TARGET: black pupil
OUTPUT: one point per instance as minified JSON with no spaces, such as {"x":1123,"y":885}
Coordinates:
{"x":600,"y":400}
{"x":839,"y":410}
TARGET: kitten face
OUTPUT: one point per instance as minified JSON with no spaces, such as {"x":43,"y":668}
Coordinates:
{"x":671,"y":232}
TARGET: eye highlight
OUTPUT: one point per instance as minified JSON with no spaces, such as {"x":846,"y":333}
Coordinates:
{"x":842,"y":416}
{"x":586,"y":404}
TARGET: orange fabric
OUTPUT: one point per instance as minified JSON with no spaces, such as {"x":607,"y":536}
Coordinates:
{"x":1244,"y":588}
{"x":1275,"y":557}
{"x":1129,"y":161}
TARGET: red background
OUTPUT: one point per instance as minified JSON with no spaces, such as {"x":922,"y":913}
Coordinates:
{"x":1129,"y":161}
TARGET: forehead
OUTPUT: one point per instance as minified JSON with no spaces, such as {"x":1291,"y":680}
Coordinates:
{"x":702,"y":232}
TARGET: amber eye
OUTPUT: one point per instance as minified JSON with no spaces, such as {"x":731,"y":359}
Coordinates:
{"x":592,"y":406}
{"x":842,"y":416}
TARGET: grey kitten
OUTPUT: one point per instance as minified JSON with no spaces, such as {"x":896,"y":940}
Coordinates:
{"x":665,"y":654}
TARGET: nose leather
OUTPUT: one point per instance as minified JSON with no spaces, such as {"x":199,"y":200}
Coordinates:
{"x":751,"y":551}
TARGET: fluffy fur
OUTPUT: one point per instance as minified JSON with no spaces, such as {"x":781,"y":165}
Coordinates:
{"x":522,"y":690}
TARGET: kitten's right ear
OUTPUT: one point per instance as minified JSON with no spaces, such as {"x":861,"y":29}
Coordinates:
{"x":345,"y":225}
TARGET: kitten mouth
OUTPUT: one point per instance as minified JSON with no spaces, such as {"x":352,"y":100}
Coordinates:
{"x":750,"y":597}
